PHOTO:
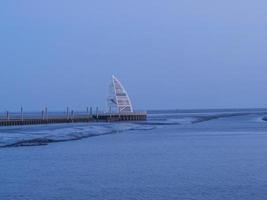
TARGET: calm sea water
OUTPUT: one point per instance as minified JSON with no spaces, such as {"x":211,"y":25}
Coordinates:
{"x":197,"y":155}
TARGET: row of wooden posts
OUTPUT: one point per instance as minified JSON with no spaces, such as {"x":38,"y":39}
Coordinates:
{"x":70,"y":114}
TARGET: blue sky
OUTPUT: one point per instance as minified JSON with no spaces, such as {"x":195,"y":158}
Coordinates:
{"x":169,"y":54}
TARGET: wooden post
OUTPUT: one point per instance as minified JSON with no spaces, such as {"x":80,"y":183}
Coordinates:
{"x":91,"y":111}
{"x":46,"y":113}
{"x":68,"y":113}
{"x":7,"y":116}
{"x":72,"y":115}
{"x":96,"y":112}
{"x":21,"y":114}
{"x":88,"y":114}
{"x":43,"y":116}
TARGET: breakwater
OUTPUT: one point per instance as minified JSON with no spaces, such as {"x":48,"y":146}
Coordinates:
{"x":15,"y":119}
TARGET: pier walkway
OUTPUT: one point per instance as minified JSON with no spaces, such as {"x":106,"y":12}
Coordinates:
{"x":19,"y":119}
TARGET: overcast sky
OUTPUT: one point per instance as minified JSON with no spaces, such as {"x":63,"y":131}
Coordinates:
{"x":167,"y":53}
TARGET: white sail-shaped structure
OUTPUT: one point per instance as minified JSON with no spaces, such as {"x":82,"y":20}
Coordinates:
{"x":118,"y":100}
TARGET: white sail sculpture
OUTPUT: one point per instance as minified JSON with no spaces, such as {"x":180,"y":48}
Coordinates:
{"x":118,"y":100}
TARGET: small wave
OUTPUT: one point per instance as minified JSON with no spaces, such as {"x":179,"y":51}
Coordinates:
{"x":43,"y":135}
{"x":181,"y":119}
{"x":264,"y":119}
{"x":219,"y":116}
{"x":174,"y":121}
{"x":45,"y":141}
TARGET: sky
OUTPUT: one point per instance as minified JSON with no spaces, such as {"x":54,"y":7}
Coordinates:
{"x":169,"y":54}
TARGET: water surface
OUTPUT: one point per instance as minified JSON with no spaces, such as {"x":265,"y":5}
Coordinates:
{"x":174,"y":155}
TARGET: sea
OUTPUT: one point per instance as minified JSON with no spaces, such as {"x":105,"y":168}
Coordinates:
{"x":174,"y":155}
